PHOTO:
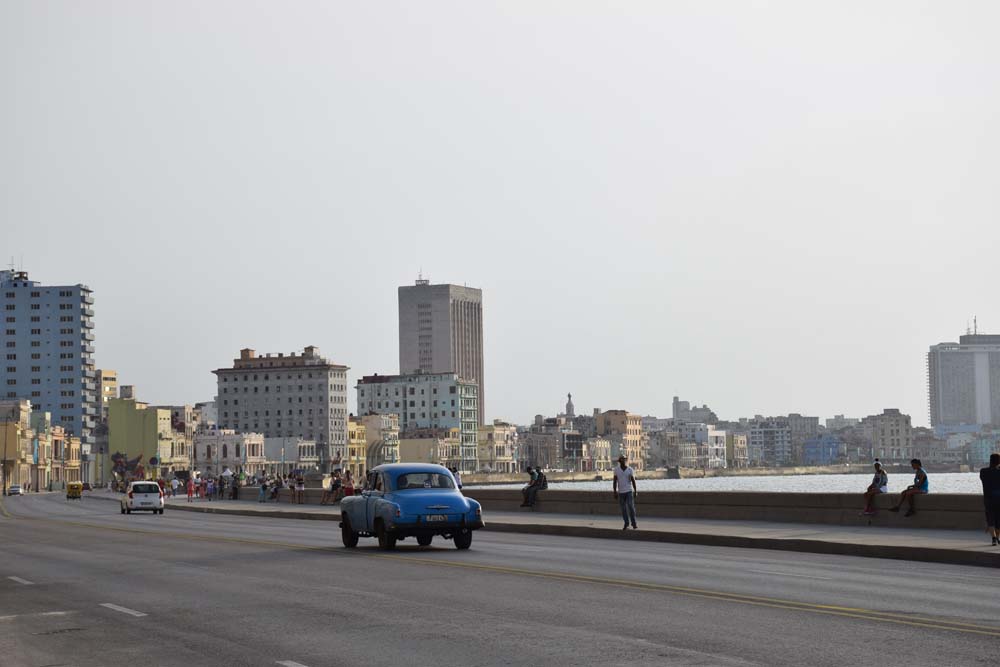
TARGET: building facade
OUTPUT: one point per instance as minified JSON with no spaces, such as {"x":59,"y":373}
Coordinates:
{"x":963,"y":381}
{"x":624,"y":430}
{"x":284,"y":396}
{"x":498,"y":447}
{"x":381,"y":438}
{"x":48,"y":346}
{"x":427,"y":401}
{"x":441,"y":331}
{"x":770,"y":441}
{"x":218,"y":450}
{"x":890,"y":435}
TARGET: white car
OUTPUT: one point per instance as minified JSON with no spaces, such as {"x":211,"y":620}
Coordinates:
{"x":14,"y":490}
{"x":143,"y":497}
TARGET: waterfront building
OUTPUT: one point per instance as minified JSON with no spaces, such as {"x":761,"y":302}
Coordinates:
{"x":822,"y":450}
{"x":427,"y":401}
{"x":770,"y":441}
{"x":597,"y":454}
{"x":801,"y":429}
{"x":135,"y":431}
{"x":284,"y":396}
{"x":431,"y":445}
{"x":737,"y":450}
{"x":357,"y":449}
{"x":890,"y":435}
{"x":624,"y":430}
{"x":281,"y":455}
{"x":498,"y":447}
{"x":15,"y":443}
{"x":381,"y":438}
{"x":441,"y":331}
{"x":107,"y":388}
{"x":683,"y":411}
{"x":651,"y":424}
{"x":838,"y":422}
{"x":664,"y":449}
{"x":48,"y":346}
{"x":963,"y":381}
{"x":217,"y":450}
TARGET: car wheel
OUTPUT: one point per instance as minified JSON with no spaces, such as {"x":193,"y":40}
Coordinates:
{"x":425,"y":540}
{"x":386,"y":540}
{"x":463,"y":539}
{"x":347,"y":533}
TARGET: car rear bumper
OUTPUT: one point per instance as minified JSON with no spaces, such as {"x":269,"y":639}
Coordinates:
{"x":435,"y":527}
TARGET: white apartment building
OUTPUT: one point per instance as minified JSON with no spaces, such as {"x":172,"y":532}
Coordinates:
{"x":963,"y":381}
{"x":426,"y":401}
{"x":284,"y":396}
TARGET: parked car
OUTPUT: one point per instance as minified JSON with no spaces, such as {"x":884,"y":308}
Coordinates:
{"x":143,"y":497}
{"x":14,"y":490}
{"x":404,"y":500}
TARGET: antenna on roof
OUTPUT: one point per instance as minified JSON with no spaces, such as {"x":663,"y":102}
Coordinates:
{"x":975,"y":325}
{"x":968,"y":329}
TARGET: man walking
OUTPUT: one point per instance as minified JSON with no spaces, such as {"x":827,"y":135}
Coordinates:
{"x":625,"y":491}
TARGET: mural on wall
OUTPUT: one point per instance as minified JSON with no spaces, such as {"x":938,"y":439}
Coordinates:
{"x":126,"y":468}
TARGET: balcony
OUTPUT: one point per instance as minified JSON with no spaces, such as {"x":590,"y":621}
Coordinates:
{"x":89,"y":374}
{"x":88,"y":349}
{"x":87,"y":299}
{"x":87,"y":323}
{"x":87,"y":336}
{"x":89,"y":386}
{"x":87,"y":312}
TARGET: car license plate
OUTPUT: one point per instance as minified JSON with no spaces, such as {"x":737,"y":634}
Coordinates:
{"x":437,"y":517}
{"x":145,"y":504}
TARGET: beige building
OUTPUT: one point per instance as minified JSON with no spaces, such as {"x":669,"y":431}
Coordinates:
{"x":498,"y":447}
{"x":107,"y":388}
{"x":381,"y":438}
{"x":890,"y":435}
{"x":356,"y":459}
{"x":597,"y":451}
{"x":737,"y":452}
{"x":431,"y":445}
{"x":624,"y":430}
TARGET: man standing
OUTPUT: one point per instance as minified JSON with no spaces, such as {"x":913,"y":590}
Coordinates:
{"x":625,"y":491}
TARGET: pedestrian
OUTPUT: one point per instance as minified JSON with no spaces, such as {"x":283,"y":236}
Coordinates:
{"x":173,"y":487}
{"x":220,"y":484}
{"x":300,"y":490}
{"x":236,"y":488}
{"x":625,"y":491}
{"x":348,"y":483}
{"x":990,"y":477}
{"x":276,"y":489}
{"x":880,"y":484}
{"x":458,"y":477}
{"x":531,"y":490}
{"x":262,"y":495}
{"x":919,"y":487}
{"x":203,"y":488}
{"x":332,"y":493}
{"x":190,"y":489}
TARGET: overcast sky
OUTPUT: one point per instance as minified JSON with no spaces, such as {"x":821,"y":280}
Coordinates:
{"x":770,"y":207}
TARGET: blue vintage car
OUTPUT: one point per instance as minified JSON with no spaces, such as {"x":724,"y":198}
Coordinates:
{"x":403,"y":500}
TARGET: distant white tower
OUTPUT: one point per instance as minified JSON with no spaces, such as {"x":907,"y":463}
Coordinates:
{"x":569,"y":406}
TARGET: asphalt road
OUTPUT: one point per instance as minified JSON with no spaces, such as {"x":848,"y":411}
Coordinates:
{"x":192,"y":589}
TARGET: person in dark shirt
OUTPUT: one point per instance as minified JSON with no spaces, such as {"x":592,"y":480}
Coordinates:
{"x":990,"y":477}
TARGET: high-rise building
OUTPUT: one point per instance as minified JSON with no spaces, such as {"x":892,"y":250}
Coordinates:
{"x":281,"y":396}
{"x":963,"y":381}
{"x":441,"y":331}
{"x":107,"y":388}
{"x":48,"y":343}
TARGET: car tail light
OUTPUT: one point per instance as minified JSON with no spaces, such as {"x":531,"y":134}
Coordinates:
{"x":479,"y":512}
{"x":398,"y":513}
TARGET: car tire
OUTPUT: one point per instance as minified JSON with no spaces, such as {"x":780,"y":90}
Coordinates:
{"x":463,"y":539}
{"x":347,"y":532}
{"x":425,"y":540}
{"x":386,"y":539}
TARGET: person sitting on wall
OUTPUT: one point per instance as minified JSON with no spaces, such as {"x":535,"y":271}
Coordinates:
{"x":920,"y":486}
{"x":880,"y":484}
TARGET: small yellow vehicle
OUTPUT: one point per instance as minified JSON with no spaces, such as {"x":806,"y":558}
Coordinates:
{"x":74,"y":490}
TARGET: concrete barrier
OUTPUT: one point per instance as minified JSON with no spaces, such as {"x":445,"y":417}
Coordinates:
{"x":949,"y":511}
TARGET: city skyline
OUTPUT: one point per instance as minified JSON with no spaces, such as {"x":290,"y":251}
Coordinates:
{"x":696,"y":214}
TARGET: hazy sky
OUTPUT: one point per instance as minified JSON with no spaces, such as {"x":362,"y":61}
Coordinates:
{"x":771,"y":207}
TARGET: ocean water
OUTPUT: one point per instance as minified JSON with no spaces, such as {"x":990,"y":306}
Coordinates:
{"x":949,"y":482}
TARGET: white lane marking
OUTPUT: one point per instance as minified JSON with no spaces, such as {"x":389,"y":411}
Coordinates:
{"x":44,"y":613}
{"x":22,"y":581}
{"x":124,"y":610}
{"x":789,"y":574}
{"x":289,"y":663}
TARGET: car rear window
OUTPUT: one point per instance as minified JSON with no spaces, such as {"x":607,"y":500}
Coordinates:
{"x":145,"y":488}
{"x":424,"y":480}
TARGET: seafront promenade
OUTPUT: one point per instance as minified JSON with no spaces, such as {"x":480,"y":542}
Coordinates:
{"x":886,"y":535}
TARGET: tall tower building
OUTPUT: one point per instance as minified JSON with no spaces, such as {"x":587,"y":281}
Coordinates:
{"x":48,"y":347}
{"x":441,"y":331}
{"x":963,"y":381}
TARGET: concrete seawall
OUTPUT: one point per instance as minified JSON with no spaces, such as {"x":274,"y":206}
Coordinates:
{"x":953,"y":511}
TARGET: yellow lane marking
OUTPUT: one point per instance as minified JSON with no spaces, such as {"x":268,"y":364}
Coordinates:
{"x":738,"y":598}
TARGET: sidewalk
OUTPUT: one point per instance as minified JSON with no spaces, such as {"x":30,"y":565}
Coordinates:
{"x":935,"y":546}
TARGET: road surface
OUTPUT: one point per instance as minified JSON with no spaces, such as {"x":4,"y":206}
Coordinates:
{"x":81,"y":584}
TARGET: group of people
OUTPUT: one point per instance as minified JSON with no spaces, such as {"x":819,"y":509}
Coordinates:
{"x":341,"y":484}
{"x":207,"y":488}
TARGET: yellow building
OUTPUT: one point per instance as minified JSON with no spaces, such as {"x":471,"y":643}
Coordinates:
{"x":134,"y":434}
{"x":357,"y":450}
{"x":624,"y":430}
{"x":431,"y":445}
{"x":498,"y":447}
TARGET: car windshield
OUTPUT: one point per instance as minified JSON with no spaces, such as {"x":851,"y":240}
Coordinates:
{"x":145,"y":488}
{"x":424,"y":480}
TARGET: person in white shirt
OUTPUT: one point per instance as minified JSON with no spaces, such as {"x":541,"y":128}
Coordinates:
{"x":173,"y":487}
{"x":625,"y":491}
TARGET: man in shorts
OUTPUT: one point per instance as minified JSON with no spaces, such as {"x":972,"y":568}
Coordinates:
{"x":880,"y":484}
{"x":919,"y":487}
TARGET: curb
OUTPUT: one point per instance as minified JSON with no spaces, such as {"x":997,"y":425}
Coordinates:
{"x":920,"y":554}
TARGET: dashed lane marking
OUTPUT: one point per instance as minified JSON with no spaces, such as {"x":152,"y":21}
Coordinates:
{"x":22,"y":581}
{"x":124,"y":610}
{"x":289,"y":663}
{"x":722,"y":596}
{"x":44,"y":613}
